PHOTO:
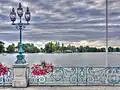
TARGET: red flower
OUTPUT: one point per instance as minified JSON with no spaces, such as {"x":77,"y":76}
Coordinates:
{"x":3,"y":69}
{"x":34,"y":72}
{"x":42,"y":70}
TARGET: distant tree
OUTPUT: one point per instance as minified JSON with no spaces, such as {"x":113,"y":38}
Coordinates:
{"x":30,"y":48}
{"x":73,"y":49}
{"x":11,"y":48}
{"x":69,"y":47}
{"x":92,"y":49}
{"x":110,"y":49}
{"x":63,"y":48}
{"x":57,"y":46}
{"x":98,"y":50}
{"x":102,"y":50}
{"x":117,"y":49}
{"x":50,"y":47}
{"x":80,"y":49}
{"x":87,"y":49}
{"x":36,"y":50}
{"x":2,"y":48}
{"x":42,"y":50}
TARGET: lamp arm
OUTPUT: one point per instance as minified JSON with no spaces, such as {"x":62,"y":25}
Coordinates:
{"x":18,"y":25}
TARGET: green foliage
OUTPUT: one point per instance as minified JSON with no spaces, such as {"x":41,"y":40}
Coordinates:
{"x":2,"y":48}
{"x":110,"y":49}
{"x":30,"y":48}
{"x":51,"y":47}
{"x":11,"y":48}
{"x":55,"y":47}
{"x":42,"y":50}
{"x":117,"y":49}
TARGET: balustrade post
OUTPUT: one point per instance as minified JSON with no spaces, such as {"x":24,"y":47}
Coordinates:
{"x":107,"y":69}
{"x":3,"y":81}
{"x":28,"y":73}
{"x":20,"y":78}
{"x":77,"y":76}
{"x":86,"y":75}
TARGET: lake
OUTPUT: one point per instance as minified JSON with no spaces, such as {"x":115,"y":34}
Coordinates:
{"x":67,"y":59}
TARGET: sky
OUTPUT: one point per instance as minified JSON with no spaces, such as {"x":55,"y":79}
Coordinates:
{"x":75,"y":22}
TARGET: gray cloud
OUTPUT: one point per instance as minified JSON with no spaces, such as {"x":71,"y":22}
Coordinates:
{"x":64,"y":20}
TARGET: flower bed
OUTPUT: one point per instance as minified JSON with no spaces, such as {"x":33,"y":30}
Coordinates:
{"x":3,"y":69}
{"x":42,"y":69}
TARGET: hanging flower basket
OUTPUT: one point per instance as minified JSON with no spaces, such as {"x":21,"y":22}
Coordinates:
{"x":3,"y":69}
{"x":42,"y":69}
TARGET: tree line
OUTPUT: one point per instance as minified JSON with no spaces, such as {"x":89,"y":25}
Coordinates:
{"x":51,"y":47}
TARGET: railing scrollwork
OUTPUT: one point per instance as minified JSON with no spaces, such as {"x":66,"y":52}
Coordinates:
{"x":79,"y":76}
{"x":71,"y":76}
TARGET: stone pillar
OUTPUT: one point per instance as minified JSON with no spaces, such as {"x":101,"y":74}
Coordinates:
{"x":20,"y":75}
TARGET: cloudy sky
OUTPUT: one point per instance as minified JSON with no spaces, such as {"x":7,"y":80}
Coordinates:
{"x":76,"y":22}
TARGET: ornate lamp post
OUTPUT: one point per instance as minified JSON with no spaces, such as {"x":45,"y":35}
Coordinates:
{"x":20,"y":71}
{"x":20,"y":26}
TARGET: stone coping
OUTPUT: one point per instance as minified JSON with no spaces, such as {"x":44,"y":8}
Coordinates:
{"x":20,"y":65}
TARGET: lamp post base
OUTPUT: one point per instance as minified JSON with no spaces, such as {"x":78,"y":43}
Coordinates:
{"x":20,"y":78}
{"x":20,"y":59}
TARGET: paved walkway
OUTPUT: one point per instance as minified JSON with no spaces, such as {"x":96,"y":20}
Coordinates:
{"x":65,"y":88}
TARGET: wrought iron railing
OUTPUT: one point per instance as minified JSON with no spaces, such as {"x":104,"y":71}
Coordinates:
{"x":7,"y":78}
{"x":71,"y":76}
{"x":78,"y":76}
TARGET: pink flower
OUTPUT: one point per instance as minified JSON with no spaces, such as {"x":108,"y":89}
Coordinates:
{"x":3,"y":69}
{"x":42,"y":70}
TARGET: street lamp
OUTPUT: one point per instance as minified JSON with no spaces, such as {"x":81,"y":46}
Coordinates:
{"x":20,"y":26}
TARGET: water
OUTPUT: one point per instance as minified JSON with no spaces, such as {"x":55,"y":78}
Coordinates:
{"x":67,"y":60}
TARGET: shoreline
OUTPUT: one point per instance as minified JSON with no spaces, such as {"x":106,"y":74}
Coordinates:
{"x":60,"y":53}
